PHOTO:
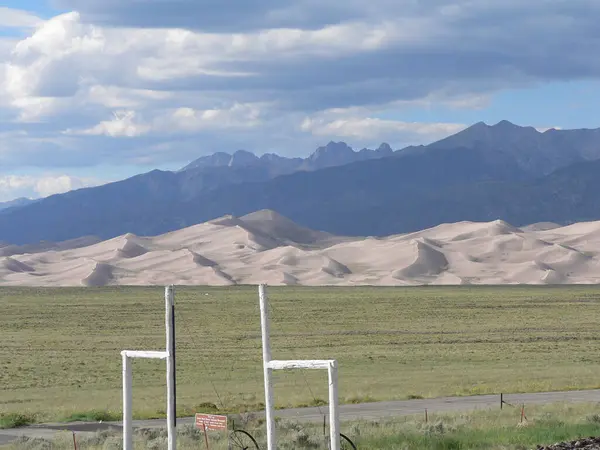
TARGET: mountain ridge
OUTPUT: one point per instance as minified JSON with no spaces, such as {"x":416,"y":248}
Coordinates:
{"x":521,"y":142}
{"x":16,"y":203}
{"x":329,"y":155}
{"x":389,"y":192}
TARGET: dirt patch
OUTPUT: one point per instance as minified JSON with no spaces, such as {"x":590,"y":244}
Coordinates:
{"x":584,"y":444}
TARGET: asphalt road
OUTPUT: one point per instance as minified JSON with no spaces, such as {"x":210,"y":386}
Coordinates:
{"x":364,"y":411}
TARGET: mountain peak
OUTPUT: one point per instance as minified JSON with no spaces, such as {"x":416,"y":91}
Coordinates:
{"x":243,"y":158}
{"x":480,"y":124}
{"x":502,"y":125}
{"x":217,"y":159}
{"x":271,"y":157}
{"x":336,"y":146}
{"x":331,"y":152}
{"x":505,"y":124}
{"x":385,"y":148}
{"x":21,"y":201}
{"x":244,"y":153}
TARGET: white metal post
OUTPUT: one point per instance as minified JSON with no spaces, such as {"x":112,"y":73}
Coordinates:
{"x":268,"y":372}
{"x":334,"y":417}
{"x":169,"y":355}
{"x":170,"y":348}
{"x":127,"y":414}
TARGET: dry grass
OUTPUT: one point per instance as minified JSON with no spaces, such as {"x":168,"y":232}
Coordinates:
{"x":60,"y":353}
{"x":500,"y":430}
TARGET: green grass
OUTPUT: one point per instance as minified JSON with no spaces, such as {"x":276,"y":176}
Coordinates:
{"x":61,"y":347}
{"x":491,"y":429}
{"x":15,"y":420}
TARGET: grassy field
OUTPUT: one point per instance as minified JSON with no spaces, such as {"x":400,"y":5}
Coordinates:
{"x":60,"y":353}
{"x":501,"y":430}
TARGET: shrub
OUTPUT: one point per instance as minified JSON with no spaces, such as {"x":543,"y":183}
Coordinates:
{"x":15,"y":420}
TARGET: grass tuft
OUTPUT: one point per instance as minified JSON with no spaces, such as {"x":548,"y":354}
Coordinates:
{"x":207,"y":407}
{"x":357,"y":399}
{"x":15,"y":420}
{"x":477,"y":430}
{"x":313,"y":402}
{"x":93,"y":416}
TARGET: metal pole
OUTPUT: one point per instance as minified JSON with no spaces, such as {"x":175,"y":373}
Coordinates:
{"x":169,"y":319}
{"x":174,"y":357}
{"x":127,"y":398}
{"x":266,"y":344}
{"x":334,"y":418}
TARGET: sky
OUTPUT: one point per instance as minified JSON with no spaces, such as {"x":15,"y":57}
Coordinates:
{"x":93,"y":91}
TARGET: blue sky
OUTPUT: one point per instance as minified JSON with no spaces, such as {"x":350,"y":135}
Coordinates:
{"x":43,"y":9}
{"x":559,"y":104}
{"x":97,"y":90}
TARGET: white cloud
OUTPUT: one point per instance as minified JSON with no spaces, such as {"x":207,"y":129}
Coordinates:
{"x":369,"y":129}
{"x":120,"y":97}
{"x":169,"y":90}
{"x":124,"y":124}
{"x":16,"y":18}
{"x":191,"y":120}
{"x":181,"y":120}
{"x":14,"y":186}
{"x":56,"y":185}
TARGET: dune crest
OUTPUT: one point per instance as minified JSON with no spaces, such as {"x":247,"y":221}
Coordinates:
{"x":101,"y":275}
{"x":226,"y":221}
{"x":13,"y":265}
{"x":270,"y":223}
{"x":202,"y":260}
{"x":428,"y":261}
{"x":334,"y":268}
{"x":289,"y":279}
{"x":130,"y":248}
{"x":267,"y":247}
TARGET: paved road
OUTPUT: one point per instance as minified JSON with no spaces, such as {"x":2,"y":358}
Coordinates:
{"x":364,"y":411}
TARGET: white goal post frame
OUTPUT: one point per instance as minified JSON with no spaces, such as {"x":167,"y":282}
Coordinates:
{"x":269,"y":365}
{"x":169,"y":356}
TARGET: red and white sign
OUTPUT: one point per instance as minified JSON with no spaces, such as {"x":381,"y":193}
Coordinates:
{"x":211,"y":422}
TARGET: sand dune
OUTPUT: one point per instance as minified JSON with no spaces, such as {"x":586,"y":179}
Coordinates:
{"x":13,"y":265}
{"x":265,"y":247}
{"x":101,"y":275}
{"x":428,"y":262}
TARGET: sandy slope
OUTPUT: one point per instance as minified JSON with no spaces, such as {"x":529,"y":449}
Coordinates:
{"x":265,"y":247}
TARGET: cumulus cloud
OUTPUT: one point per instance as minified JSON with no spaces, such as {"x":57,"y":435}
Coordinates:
{"x":181,"y":120}
{"x":150,"y":80}
{"x":123,"y":125}
{"x":14,"y":186}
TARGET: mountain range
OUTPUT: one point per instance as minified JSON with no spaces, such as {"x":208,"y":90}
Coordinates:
{"x":331,"y":155}
{"x":482,"y":173}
